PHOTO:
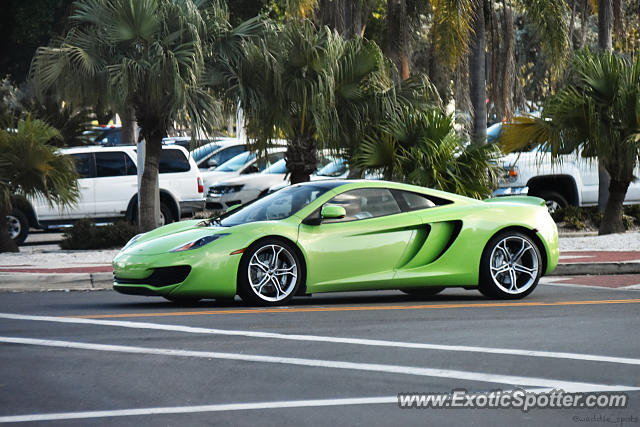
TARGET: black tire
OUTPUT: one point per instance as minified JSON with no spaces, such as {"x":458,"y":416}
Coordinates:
{"x":166,"y":212}
{"x":268,"y":294}
{"x":182,"y":300}
{"x":494,"y":283}
{"x":553,"y":200}
{"x":423,"y":292}
{"x":18,"y":225}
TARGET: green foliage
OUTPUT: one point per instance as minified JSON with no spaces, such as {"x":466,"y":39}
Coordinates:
{"x":86,"y":235}
{"x":422,"y":148}
{"x":32,"y":167}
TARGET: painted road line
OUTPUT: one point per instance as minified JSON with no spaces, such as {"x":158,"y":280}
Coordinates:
{"x":326,"y":339}
{"x":568,"y":386}
{"x":315,"y":403}
{"x":200,"y":408}
{"x":361,"y":308}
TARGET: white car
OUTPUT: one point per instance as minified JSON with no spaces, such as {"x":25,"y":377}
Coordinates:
{"x":573,"y":180}
{"x":108,"y":187}
{"x":245,"y":188}
{"x":243,"y":164}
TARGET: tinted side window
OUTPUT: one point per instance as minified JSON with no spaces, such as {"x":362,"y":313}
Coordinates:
{"x":83,"y":164}
{"x":223,"y":155}
{"x":365,"y":203}
{"x":172,"y":161}
{"x":410,"y":201}
{"x":414,"y":201}
{"x":110,"y":164}
{"x":131,"y":167}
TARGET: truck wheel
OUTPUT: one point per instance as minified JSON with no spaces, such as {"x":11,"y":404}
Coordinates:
{"x":18,"y":226}
{"x":553,"y":200}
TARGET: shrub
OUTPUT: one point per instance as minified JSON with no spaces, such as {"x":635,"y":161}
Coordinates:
{"x":86,"y":235}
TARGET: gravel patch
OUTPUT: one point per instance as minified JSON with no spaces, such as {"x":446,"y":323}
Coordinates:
{"x":610,"y":242}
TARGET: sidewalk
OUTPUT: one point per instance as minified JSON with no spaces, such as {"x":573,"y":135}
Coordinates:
{"x":46,"y":267}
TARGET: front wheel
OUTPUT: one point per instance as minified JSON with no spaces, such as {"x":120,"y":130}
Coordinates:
{"x":270,"y":273}
{"x":510,"y":267}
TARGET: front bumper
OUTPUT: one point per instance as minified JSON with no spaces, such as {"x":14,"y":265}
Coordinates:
{"x":511,"y":191}
{"x":197,"y":273}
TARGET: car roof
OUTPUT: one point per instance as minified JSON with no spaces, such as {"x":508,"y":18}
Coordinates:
{"x":102,"y":149}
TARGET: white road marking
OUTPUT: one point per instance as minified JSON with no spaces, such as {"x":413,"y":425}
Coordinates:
{"x":568,"y":386}
{"x":199,"y":408}
{"x":312,"y":403}
{"x":325,"y":339}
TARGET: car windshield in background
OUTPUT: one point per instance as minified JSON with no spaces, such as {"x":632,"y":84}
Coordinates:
{"x":278,"y":167}
{"x":335,"y":168}
{"x":200,"y":152}
{"x":278,"y":205}
{"x":234,"y":164}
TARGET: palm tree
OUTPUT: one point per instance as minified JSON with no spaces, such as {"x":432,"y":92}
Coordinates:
{"x":421,"y":147}
{"x":153,"y":54}
{"x":30,"y":167}
{"x":599,"y":113}
{"x":306,"y":85}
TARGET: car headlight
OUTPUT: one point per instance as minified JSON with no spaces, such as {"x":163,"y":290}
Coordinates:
{"x":199,"y":243}
{"x":219,"y":190}
{"x":132,"y":241}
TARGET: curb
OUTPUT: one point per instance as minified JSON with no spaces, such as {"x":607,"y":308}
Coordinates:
{"x":55,"y":282}
{"x":596,"y":268}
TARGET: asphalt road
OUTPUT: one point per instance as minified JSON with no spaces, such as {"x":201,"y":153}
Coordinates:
{"x":314,"y":362}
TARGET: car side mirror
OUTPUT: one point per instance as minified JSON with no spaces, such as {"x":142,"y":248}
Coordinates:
{"x":212,"y":163}
{"x":332,"y":212}
{"x":233,"y":207}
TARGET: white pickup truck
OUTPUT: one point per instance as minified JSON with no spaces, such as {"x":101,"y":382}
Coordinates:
{"x":108,"y":187}
{"x":573,"y":180}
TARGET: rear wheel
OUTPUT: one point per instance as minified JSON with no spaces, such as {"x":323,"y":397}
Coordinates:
{"x":18,"y":225}
{"x":423,"y":292}
{"x":511,"y":266}
{"x":270,"y":273}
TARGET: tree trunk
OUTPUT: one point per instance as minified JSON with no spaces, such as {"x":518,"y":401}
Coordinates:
{"x":128,"y":119}
{"x":149,"y":196}
{"x":605,"y":23}
{"x":583,"y":24}
{"x":509,"y":63}
{"x":477,"y":78}
{"x":398,"y":36}
{"x":302,"y":158}
{"x":572,"y":21}
{"x":612,"y":219}
{"x":6,"y":243}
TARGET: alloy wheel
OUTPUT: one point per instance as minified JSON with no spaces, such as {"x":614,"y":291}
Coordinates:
{"x":15,"y":228}
{"x":514,"y":265}
{"x":272,"y":273}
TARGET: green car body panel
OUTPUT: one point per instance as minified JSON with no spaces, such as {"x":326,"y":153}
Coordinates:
{"x":437,"y":246}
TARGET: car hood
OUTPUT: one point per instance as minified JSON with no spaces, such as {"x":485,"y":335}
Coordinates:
{"x":165,"y":239}
{"x":212,"y":177}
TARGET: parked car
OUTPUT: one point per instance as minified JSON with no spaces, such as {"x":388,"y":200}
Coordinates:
{"x":108,"y":187}
{"x":243,"y":164}
{"x":572,"y":180}
{"x":211,"y":155}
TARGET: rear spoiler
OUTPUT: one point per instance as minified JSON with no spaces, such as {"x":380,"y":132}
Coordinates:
{"x":522,"y":200}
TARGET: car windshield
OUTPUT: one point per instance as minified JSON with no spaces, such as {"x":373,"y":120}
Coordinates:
{"x":234,"y":164}
{"x":335,"y":168}
{"x":278,"y":167}
{"x":200,"y":152}
{"x":275,"y":206}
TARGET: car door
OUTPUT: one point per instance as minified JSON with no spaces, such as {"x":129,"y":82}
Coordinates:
{"x":115,"y":183}
{"x":85,"y":206}
{"x":360,"y":250}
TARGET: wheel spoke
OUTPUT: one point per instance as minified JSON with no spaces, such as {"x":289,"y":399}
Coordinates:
{"x":514,"y":280}
{"x":283,"y":271}
{"x":526,"y":270}
{"x":262,"y":282}
{"x":276,"y":284}
{"x":255,"y":262}
{"x":525,"y":247}
{"x":502,"y":269}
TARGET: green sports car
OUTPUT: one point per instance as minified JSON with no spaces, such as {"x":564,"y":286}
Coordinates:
{"x":327,"y":236}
